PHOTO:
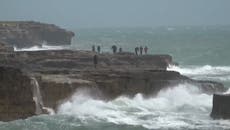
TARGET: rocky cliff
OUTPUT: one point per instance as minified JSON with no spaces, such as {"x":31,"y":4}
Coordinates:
{"x":27,"y":34}
{"x":16,"y":97}
{"x":61,"y":73}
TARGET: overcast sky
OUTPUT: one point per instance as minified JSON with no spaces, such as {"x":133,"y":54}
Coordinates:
{"x":118,"y":13}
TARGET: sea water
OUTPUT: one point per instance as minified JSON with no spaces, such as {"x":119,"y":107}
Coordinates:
{"x":202,"y":53}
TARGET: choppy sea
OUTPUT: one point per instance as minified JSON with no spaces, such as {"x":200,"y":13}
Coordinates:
{"x":202,"y":53}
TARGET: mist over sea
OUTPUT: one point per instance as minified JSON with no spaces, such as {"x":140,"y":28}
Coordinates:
{"x":202,"y":53}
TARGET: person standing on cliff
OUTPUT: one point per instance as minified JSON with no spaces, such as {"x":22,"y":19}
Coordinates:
{"x":141,"y":50}
{"x":99,"y":49}
{"x":95,"y":61}
{"x":120,"y":50}
{"x":136,"y":50}
{"x":114,"y":48}
{"x":93,"y":48}
{"x":146,"y":49}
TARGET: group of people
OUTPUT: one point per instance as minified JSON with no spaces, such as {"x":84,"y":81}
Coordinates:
{"x":98,"y":49}
{"x":114,"y":48}
{"x":137,"y":49}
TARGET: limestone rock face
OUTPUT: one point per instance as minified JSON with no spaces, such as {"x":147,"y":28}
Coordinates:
{"x":4,"y":47}
{"x":16,"y":98}
{"x":27,"y":34}
{"x":110,"y":84}
{"x":221,"y":106}
{"x":56,"y":88}
{"x":61,"y":73}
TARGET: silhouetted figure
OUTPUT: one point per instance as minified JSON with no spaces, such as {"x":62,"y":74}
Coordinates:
{"x":136,"y":50}
{"x":99,"y":49}
{"x":120,"y":50}
{"x":93,"y":48}
{"x":114,"y":48}
{"x":95,"y":60}
{"x":141,"y":50}
{"x":146,"y":49}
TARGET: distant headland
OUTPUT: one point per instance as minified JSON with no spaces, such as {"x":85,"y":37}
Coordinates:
{"x":29,"y":33}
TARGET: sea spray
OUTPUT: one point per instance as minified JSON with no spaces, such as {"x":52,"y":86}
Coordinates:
{"x":42,"y":47}
{"x":220,"y":73}
{"x":38,"y":99}
{"x":169,"y":109}
{"x":37,"y":96}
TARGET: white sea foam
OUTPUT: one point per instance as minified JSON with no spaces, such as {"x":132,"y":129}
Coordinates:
{"x":178,"y":107}
{"x":42,"y":47}
{"x":204,"y":72}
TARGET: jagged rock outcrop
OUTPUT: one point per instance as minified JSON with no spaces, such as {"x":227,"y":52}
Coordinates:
{"x":26,"y":34}
{"x":221,"y":106}
{"x":16,"y":97}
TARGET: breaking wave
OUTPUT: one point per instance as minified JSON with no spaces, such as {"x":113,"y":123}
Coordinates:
{"x":42,"y":47}
{"x":179,"y":107}
{"x":221,"y":73}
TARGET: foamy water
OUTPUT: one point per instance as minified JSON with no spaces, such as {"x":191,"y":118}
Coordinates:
{"x":180,"y":107}
{"x":42,"y":47}
{"x":221,"y":73}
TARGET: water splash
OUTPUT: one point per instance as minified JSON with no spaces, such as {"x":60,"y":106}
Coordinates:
{"x":37,"y":96}
{"x":178,"y":107}
{"x":221,"y":73}
{"x":42,"y":47}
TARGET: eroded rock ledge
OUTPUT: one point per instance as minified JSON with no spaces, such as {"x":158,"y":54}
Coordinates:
{"x":28,"y":33}
{"x":61,"y":73}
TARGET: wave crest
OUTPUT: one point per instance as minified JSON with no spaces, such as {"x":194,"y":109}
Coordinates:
{"x":221,"y":73}
{"x":169,"y":109}
{"x":42,"y":47}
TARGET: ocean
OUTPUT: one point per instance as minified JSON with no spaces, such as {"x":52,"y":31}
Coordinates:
{"x":202,"y":53}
